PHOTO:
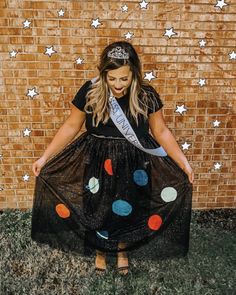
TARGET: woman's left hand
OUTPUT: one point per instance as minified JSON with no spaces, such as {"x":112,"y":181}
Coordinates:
{"x":189,"y":171}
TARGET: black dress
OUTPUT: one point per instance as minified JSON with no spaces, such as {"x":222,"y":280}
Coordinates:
{"x":101,"y":190}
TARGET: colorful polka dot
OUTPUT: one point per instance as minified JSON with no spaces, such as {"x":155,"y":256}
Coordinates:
{"x":62,"y":211}
{"x":140,"y":177}
{"x":102,"y":234}
{"x":154,"y":222}
{"x":168,"y":194}
{"x":108,"y":166}
{"x":121,"y":207}
{"x":93,"y":185}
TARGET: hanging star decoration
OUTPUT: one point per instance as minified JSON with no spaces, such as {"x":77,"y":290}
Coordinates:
{"x":232,"y":55}
{"x":217,"y":165}
{"x":26,"y":24}
{"x":221,"y":4}
{"x":49,"y":51}
{"x":79,"y":61}
{"x":13,"y":53}
{"x":149,"y":76}
{"x":95,"y":23}
{"x":61,"y":12}
{"x":32,"y":92}
{"x":180,"y":109}
{"x":202,"y":82}
{"x":202,"y":43}
{"x":124,"y":8}
{"x":129,"y":35}
{"x":169,"y":32}
{"x":185,"y":146}
{"x":26,"y":177}
{"x":216,"y":123}
{"x":143,"y":4}
{"x":26,"y":132}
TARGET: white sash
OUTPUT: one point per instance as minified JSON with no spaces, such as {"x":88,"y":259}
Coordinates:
{"x":119,"y":119}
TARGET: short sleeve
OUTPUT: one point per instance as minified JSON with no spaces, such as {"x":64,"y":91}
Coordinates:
{"x":155,"y":102}
{"x":80,"y":98}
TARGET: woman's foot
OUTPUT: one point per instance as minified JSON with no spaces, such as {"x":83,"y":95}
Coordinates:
{"x":122,"y":260}
{"x":100,"y":261}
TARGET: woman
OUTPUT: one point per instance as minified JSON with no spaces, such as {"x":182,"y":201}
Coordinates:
{"x":116,"y":187}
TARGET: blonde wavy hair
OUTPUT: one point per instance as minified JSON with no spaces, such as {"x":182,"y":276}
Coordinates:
{"x":97,"y":96}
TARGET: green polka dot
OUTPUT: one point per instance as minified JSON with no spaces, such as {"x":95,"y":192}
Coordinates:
{"x":168,"y":194}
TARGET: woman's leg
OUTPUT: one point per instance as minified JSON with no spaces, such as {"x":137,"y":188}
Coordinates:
{"x":100,"y":261}
{"x":122,"y":261}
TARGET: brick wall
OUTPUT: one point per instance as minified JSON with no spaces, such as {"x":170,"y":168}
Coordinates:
{"x":179,"y":62}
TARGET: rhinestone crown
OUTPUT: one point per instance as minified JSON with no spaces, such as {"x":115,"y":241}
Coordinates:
{"x":118,"y":52}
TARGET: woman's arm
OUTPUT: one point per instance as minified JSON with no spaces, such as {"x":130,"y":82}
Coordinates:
{"x":165,"y":138}
{"x":66,"y":133}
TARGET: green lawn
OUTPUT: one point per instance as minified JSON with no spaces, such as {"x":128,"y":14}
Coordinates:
{"x":209,"y":268}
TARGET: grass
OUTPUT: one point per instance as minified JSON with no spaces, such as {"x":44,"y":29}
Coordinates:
{"x":209,"y":268}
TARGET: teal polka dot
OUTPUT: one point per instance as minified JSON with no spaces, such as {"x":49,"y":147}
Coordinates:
{"x":121,"y":207}
{"x":102,"y":234}
{"x":140,"y":177}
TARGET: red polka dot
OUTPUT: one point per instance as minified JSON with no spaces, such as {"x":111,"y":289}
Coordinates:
{"x":108,"y":166}
{"x":62,"y":211}
{"x":154,"y":222}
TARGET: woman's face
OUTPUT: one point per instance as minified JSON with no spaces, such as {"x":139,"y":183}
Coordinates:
{"x":119,"y":80}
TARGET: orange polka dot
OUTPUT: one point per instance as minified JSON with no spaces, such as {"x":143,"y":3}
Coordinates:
{"x":108,"y":166}
{"x":154,"y":222}
{"x":62,"y":211}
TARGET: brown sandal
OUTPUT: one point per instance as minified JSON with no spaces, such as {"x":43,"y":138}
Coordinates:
{"x":123,"y":270}
{"x":100,"y":263}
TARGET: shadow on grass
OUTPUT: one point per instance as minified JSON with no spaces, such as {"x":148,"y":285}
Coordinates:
{"x":209,"y":267}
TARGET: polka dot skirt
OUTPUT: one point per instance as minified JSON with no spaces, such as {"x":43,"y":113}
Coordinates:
{"x":98,"y":192}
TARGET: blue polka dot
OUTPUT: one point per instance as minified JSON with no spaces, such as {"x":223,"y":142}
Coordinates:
{"x":140,"y":177}
{"x":102,"y":234}
{"x":121,"y":208}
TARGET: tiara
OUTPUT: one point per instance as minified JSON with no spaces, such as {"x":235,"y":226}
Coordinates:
{"x":118,"y":52}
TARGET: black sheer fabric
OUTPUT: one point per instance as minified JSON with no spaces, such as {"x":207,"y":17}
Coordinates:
{"x":101,"y":190}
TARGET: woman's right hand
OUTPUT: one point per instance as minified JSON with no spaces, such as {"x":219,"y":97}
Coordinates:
{"x":37,"y":165}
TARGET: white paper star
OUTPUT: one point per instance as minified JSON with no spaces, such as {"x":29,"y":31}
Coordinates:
{"x":124,"y":8}
{"x":32,"y":92}
{"x":217,"y":165}
{"x":1,"y":156}
{"x":221,"y":4}
{"x":202,"y":43}
{"x":149,"y":76}
{"x":143,"y":4}
{"x":185,"y":146}
{"x":129,"y":35}
{"x":61,"y":12}
{"x":13,"y":53}
{"x":26,"y":177}
{"x":95,"y":23}
{"x":26,"y":24}
{"x":202,"y":82}
{"x":232,"y":55}
{"x":49,"y":51}
{"x":216,"y":123}
{"x":26,"y":132}
{"x":181,"y":109}
{"x":169,"y":32}
{"x":79,"y":61}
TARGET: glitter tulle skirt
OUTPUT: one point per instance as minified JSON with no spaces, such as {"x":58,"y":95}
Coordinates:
{"x":99,"y":192}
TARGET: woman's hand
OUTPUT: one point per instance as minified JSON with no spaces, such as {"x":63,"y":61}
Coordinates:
{"x":37,"y":166}
{"x":189,"y":171}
